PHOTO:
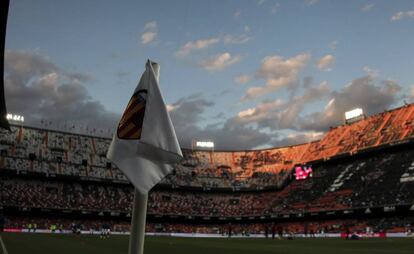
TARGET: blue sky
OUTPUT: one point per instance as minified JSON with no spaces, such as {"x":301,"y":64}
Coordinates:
{"x":246,"y":74}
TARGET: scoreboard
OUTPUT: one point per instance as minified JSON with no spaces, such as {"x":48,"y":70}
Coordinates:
{"x":303,"y":172}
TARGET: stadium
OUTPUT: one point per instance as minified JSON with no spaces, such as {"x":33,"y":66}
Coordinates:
{"x":208,"y":127}
{"x":357,"y":181}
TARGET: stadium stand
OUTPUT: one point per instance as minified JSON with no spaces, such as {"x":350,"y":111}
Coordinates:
{"x":363,"y":175}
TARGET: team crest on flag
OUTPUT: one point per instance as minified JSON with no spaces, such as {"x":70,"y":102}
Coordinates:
{"x":130,"y":126}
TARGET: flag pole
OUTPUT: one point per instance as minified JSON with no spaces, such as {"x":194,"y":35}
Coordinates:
{"x":139,"y":214}
{"x":139,"y":211}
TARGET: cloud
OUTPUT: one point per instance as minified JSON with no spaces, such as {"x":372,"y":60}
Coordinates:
{"x":247,"y":128}
{"x":290,"y":114}
{"x":247,"y":29}
{"x":148,"y":37}
{"x":412,"y":92}
{"x":38,"y":89}
{"x":192,"y":46}
{"x":196,"y":45}
{"x":362,"y":92}
{"x":371,"y":72}
{"x":278,"y":73}
{"x":242,"y":79}
{"x":261,"y":112}
{"x":274,"y":67}
{"x":230,"y":39}
{"x":234,"y":136}
{"x":220,"y":62}
{"x":247,"y":113}
{"x":283,"y":114}
{"x":402,"y":14}
{"x":23,"y":65}
{"x":267,"y":123}
{"x":326,"y":63}
{"x":79,"y":76}
{"x":187,"y":112}
{"x":150,"y":33}
{"x":367,"y":7}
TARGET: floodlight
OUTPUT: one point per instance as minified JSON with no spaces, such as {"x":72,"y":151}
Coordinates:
{"x":357,"y":112}
{"x":13,"y":117}
{"x":205,"y":144}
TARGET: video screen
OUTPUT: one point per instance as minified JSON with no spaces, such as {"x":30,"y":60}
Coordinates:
{"x":303,"y":172}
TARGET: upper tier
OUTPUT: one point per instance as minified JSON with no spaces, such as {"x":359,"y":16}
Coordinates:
{"x":51,"y":152}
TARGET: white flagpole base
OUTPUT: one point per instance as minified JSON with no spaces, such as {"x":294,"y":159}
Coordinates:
{"x":138,"y":221}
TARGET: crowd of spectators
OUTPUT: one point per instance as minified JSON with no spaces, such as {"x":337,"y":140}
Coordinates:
{"x":373,"y":181}
{"x":51,"y":153}
{"x":62,"y":195}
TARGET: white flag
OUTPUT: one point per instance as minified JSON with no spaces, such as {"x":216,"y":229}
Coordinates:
{"x":145,"y":145}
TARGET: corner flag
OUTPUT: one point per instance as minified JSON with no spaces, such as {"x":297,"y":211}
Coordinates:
{"x":145,"y":145}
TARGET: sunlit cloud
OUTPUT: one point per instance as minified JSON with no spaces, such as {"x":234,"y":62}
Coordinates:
{"x":326,"y":63}
{"x":278,"y":73}
{"x":150,"y":33}
{"x":220,"y":62}
{"x":402,"y":14}
{"x":196,"y":45}
{"x":242,"y":79}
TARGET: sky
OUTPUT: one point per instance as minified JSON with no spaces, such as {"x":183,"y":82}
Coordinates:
{"x":245,"y":74}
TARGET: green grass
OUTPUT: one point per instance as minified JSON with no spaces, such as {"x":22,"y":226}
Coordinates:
{"x":47,"y":243}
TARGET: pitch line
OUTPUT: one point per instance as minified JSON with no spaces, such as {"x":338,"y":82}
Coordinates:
{"x":3,"y":246}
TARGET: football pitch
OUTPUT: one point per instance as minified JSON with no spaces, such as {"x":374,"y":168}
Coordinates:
{"x":23,"y":243}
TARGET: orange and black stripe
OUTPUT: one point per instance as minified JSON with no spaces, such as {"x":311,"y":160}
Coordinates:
{"x":130,"y":126}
